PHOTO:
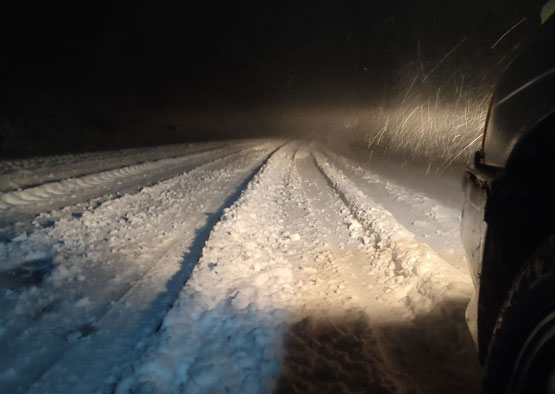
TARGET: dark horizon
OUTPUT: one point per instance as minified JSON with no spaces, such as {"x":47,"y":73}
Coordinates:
{"x":105,"y":75}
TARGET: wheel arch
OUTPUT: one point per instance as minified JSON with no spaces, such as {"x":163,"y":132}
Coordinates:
{"x":524,"y":335}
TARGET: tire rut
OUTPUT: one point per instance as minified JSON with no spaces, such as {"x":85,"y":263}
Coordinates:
{"x":160,"y":306}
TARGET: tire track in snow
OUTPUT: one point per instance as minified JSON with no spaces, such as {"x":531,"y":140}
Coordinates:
{"x":268,"y":273}
{"x":334,"y":343}
{"x":33,"y":251}
{"x":149,"y":217}
{"x":290,"y":295}
{"x":17,"y":165}
{"x":282,"y":280}
{"x":28,"y":222}
{"x":412,"y":259}
{"x":76,"y":159}
{"x":217,"y":317}
{"x":431,"y":223}
{"x":26,"y":203}
{"x":115,"y":354}
{"x":434,"y":291}
{"x":25,"y":179}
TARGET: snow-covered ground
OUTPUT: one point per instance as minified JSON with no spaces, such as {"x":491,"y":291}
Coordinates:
{"x":253,"y":266}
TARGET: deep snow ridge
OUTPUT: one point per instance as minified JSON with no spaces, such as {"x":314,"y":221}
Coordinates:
{"x":434,"y":279}
{"x":55,"y":171}
{"x":225,"y":332}
{"x":79,"y":185}
{"x":137,"y":241}
{"x":432,"y":222}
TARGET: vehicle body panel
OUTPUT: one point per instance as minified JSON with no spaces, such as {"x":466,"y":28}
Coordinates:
{"x":476,"y":186}
{"x":524,"y":96}
{"x":494,"y":212}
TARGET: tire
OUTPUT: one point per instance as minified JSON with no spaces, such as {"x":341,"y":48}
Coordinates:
{"x":521,"y":357}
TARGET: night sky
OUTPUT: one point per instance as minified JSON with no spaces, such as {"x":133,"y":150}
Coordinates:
{"x":99,"y":75}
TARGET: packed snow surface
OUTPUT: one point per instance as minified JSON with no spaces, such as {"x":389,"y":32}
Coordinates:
{"x":253,"y":267}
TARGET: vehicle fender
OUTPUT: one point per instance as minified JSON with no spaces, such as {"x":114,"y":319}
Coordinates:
{"x":524,"y":96}
{"x":514,"y":117}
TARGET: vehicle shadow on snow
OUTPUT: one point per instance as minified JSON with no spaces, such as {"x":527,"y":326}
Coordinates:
{"x":433,"y":353}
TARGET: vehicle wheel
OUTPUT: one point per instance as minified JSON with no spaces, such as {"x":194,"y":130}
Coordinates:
{"x":521,"y":357}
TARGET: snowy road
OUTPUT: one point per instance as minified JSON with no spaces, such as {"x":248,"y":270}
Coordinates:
{"x":252,"y":266}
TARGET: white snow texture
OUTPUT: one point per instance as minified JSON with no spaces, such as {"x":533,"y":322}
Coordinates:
{"x":253,"y":267}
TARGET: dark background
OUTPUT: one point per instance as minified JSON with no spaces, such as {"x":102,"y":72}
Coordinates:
{"x":90,"y":75}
